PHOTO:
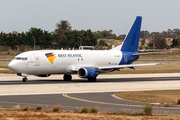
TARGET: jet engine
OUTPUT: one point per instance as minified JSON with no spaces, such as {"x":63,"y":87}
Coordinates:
{"x":87,"y":72}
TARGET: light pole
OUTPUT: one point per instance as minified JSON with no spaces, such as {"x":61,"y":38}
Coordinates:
{"x":34,"y":42}
{"x":81,"y":40}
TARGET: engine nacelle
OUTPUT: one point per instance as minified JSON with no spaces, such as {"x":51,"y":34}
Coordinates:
{"x":43,"y":75}
{"x":87,"y":72}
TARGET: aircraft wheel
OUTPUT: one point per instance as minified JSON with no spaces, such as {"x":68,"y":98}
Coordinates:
{"x":25,"y":79}
{"x":92,"y":79}
{"x":67,"y":77}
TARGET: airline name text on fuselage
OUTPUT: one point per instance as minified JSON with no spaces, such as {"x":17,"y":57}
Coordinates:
{"x":69,"y":55}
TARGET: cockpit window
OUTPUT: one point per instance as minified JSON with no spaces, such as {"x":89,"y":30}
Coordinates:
{"x":20,"y":58}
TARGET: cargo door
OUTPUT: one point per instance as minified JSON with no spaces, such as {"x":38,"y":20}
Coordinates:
{"x":36,"y":59}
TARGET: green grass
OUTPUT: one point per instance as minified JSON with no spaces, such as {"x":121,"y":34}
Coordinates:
{"x":165,"y":97}
{"x":7,"y":56}
{"x":171,"y":55}
{"x":4,"y":64}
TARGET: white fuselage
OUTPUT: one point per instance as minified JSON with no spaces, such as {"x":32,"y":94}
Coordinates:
{"x":38,"y":63}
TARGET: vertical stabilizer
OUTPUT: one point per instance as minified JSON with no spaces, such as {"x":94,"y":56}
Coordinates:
{"x":131,"y":41}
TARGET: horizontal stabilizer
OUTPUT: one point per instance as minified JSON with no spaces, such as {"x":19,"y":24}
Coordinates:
{"x":149,"y":53}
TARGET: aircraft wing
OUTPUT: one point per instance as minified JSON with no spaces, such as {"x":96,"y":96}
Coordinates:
{"x":126,"y":66}
{"x":76,"y":68}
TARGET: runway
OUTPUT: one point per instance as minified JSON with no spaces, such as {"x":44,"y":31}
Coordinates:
{"x":12,"y":84}
{"x":74,"y":94}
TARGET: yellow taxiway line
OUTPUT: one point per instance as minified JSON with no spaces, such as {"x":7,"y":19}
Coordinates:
{"x":65,"y":95}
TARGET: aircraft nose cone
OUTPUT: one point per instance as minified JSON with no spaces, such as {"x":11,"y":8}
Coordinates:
{"x":13,"y":65}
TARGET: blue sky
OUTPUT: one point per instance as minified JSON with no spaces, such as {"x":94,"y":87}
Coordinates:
{"x":118,"y":15}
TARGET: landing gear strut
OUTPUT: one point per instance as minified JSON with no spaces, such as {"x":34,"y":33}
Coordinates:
{"x":92,"y":79}
{"x":67,"y":77}
{"x":25,"y":79}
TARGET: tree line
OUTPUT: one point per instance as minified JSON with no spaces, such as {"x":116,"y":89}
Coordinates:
{"x":159,"y":38}
{"x":64,"y":37}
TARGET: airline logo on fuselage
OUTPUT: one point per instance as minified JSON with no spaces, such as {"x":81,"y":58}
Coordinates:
{"x":69,"y":55}
{"x":50,"y":57}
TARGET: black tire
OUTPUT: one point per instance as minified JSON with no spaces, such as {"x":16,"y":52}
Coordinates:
{"x":67,"y":77}
{"x":92,"y":79}
{"x":24,"y":79}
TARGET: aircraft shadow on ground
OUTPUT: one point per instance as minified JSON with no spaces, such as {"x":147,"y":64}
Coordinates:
{"x":99,"y":80}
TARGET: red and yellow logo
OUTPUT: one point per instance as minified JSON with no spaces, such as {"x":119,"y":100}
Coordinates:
{"x":50,"y":57}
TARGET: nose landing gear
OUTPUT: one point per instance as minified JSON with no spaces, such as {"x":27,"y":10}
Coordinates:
{"x":23,"y":75}
{"x":25,"y":79}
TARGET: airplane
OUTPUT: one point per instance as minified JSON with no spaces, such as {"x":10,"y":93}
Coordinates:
{"x":85,"y":63}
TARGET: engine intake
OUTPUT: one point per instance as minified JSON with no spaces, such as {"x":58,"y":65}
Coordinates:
{"x":87,"y":72}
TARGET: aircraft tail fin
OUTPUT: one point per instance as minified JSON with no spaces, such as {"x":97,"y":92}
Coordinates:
{"x":131,"y":41}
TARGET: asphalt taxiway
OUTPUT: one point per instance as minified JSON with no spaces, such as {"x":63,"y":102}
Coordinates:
{"x":104,"y":101}
{"x":74,"y":94}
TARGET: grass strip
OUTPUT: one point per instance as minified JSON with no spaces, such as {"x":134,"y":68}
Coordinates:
{"x":164,"y":97}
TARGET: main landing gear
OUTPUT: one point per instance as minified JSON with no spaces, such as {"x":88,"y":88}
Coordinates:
{"x":25,"y":79}
{"x":67,"y":77}
{"x":92,"y":79}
